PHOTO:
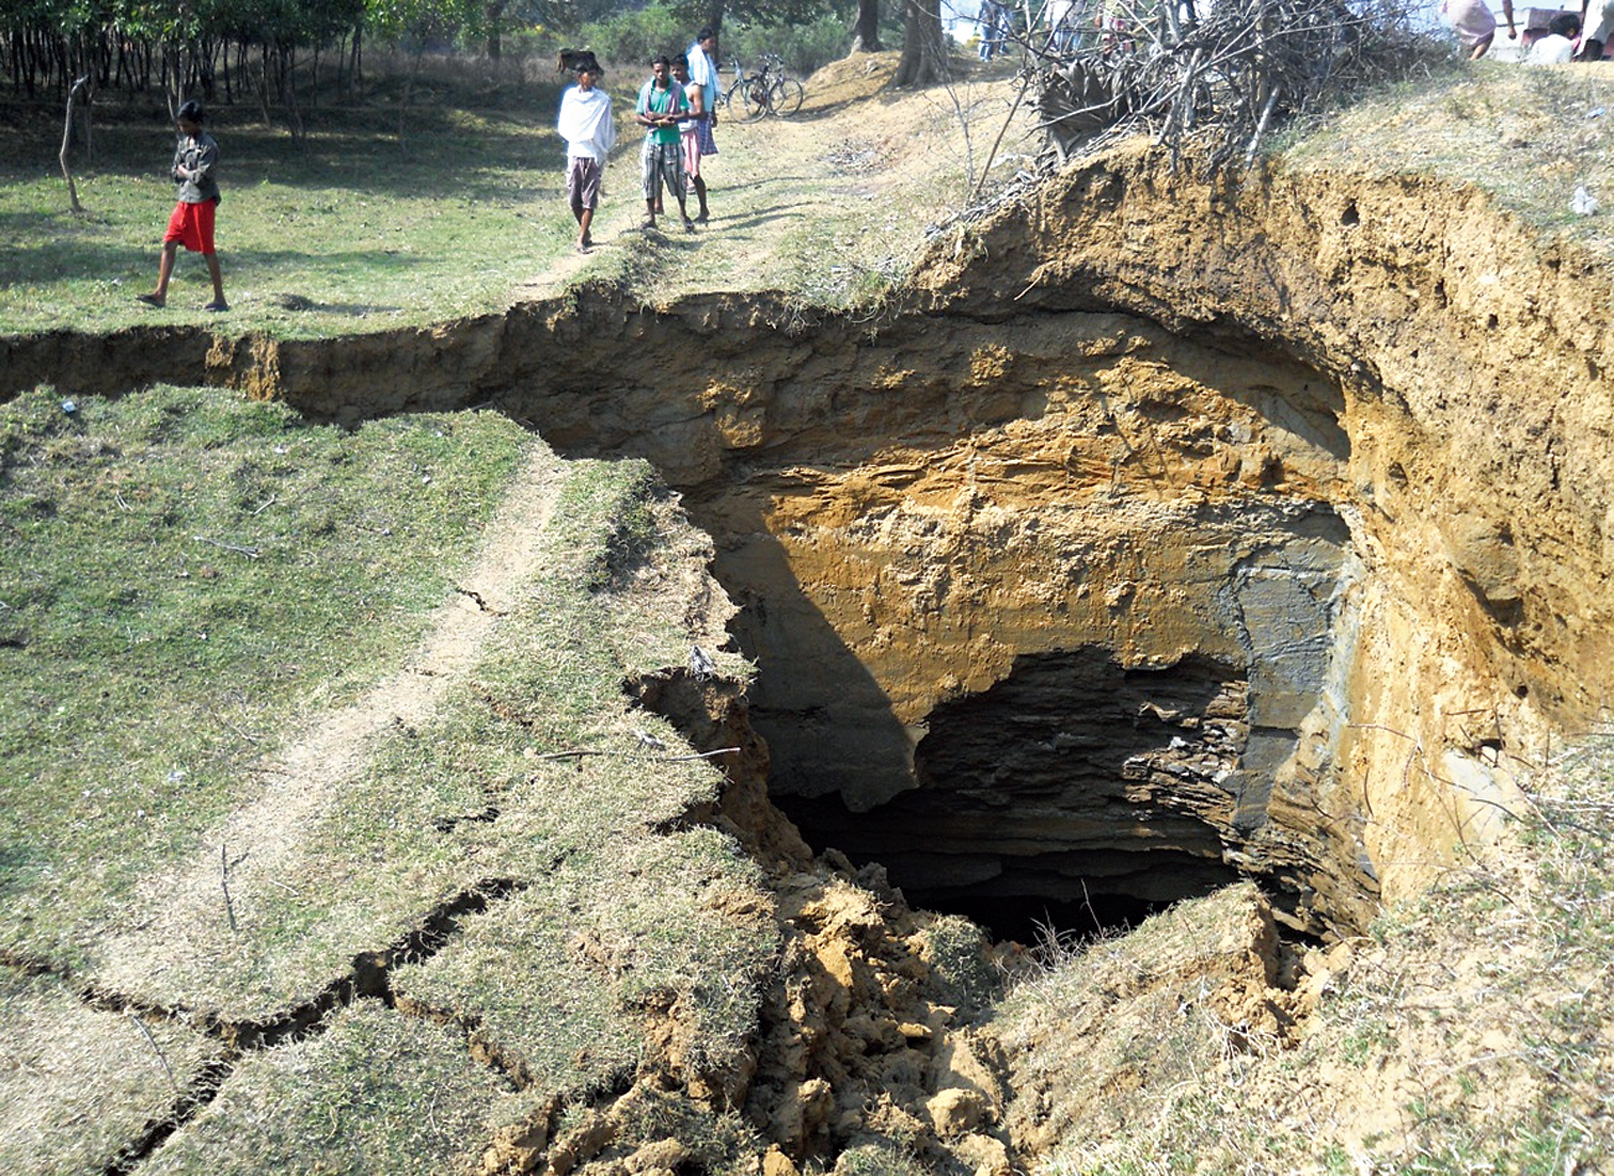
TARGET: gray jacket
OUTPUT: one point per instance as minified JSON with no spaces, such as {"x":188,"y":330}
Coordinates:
{"x":197,"y":156}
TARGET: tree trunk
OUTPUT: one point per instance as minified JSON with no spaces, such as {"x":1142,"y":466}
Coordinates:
{"x":495,"y":25}
{"x":866,"y":33}
{"x":924,"y":45}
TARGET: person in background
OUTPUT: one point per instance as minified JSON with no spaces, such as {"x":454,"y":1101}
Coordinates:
{"x":1061,"y":34}
{"x":689,"y":132}
{"x":702,"y":57}
{"x":1474,"y":25}
{"x":1558,"y":46}
{"x":660,"y":109}
{"x":586,"y":124}
{"x":1591,"y":49}
{"x":989,"y":18}
{"x":191,"y":224}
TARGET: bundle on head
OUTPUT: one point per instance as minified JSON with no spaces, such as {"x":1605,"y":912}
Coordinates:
{"x":576,"y":60}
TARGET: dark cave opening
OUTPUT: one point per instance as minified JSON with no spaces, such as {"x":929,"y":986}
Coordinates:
{"x":1075,"y":795}
{"x":1032,"y":921}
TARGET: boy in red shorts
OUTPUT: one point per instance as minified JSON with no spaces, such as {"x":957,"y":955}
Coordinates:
{"x":192,"y":222}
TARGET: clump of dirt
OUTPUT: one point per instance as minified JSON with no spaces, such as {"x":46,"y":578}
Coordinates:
{"x":866,"y":1043}
{"x":867,"y":1035}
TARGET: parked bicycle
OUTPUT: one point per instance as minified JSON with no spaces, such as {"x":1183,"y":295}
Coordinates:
{"x":770,"y":91}
{"x":738,"y":70}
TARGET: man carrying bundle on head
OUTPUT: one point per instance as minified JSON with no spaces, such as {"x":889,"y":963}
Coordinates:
{"x":585,"y":123}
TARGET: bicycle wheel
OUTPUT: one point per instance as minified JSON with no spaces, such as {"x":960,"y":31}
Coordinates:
{"x":786,"y":97}
{"x":755,"y":98}
{"x":731,"y":98}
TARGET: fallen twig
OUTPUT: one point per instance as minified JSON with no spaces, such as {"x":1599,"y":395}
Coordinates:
{"x":226,"y":722}
{"x":578,"y":753}
{"x":156,"y":1049}
{"x":249,"y":552}
{"x":224,"y":884}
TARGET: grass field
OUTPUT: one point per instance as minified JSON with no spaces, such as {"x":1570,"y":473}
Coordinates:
{"x":350,"y":231}
{"x":245,"y":737}
{"x":329,"y":837}
{"x":345,"y":231}
{"x":1526,"y":135}
{"x":182,"y":572}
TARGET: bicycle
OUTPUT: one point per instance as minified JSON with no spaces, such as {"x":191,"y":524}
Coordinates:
{"x":767,"y":92}
{"x":749,"y":92}
{"x":721,"y":102}
{"x":786,"y":94}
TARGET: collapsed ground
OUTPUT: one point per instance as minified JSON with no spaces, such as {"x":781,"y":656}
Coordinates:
{"x":1164,"y":535}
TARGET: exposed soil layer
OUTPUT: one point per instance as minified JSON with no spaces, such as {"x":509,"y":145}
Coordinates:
{"x":1302,"y":486}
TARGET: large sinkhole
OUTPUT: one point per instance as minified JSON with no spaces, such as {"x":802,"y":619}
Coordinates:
{"x":1051,"y":618}
{"x":1065,"y":717}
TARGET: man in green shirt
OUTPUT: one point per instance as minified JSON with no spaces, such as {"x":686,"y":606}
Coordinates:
{"x":661,"y":105}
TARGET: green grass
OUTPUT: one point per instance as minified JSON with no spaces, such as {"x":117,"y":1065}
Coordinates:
{"x":181,"y":573}
{"x":376,"y":1092}
{"x":590,"y":915}
{"x":348,"y":232}
{"x":344,"y":232}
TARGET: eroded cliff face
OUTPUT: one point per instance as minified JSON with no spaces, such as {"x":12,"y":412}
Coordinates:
{"x":1170,"y":532}
{"x":1468,"y":359}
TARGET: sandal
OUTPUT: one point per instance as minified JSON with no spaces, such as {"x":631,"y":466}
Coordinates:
{"x":151,"y":300}
{"x":217,"y":304}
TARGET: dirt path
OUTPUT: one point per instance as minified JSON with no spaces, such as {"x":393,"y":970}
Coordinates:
{"x":179,"y":913}
{"x":809,"y":203}
{"x":813,"y":194}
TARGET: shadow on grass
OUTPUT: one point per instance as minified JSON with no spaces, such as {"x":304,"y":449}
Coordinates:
{"x":52,"y":261}
{"x":297,"y":304}
{"x":757,"y":217}
{"x":441,"y":158}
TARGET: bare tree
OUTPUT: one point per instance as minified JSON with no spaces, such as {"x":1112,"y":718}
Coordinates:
{"x":1222,"y":80}
{"x":67,"y":136}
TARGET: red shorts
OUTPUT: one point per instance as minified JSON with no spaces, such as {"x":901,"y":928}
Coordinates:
{"x":192,"y":226}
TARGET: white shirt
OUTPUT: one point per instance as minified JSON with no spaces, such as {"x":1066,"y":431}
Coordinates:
{"x":703,"y":71}
{"x":1551,"y":50}
{"x":586,"y":124}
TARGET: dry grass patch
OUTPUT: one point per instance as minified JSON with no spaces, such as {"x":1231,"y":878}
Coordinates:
{"x":1473,"y":1031}
{"x":1528,"y":135}
{"x":80,"y":1084}
{"x":831,"y":205}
